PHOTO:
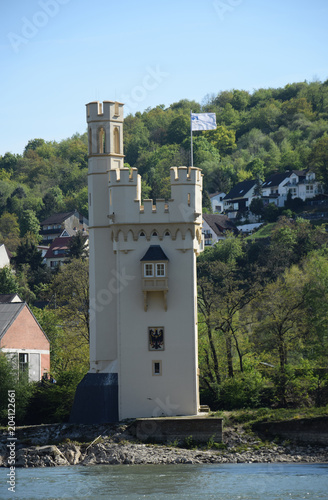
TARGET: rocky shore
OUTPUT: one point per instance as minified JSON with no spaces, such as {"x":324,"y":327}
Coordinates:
{"x":65,"y":444}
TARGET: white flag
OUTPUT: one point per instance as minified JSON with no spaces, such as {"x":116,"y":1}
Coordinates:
{"x":203,"y":121}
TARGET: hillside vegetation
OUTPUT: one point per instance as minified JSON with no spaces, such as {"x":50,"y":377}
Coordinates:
{"x":263,"y":302}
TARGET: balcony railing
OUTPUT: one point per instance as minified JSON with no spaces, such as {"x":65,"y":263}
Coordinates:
{"x":154,"y":284}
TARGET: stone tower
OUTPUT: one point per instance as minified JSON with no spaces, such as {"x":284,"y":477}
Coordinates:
{"x":143,"y":295}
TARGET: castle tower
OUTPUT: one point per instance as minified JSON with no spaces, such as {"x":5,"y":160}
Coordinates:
{"x":143,"y":291}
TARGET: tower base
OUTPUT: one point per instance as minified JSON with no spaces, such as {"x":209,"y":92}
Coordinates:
{"x":96,"y":399}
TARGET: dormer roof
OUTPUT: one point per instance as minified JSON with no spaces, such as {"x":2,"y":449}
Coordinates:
{"x":153,"y":253}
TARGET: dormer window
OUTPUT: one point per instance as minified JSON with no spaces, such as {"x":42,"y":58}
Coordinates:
{"x":154,"y":273}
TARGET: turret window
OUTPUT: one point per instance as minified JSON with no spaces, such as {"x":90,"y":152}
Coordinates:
{"x":116,"y":141}
{"x":149,"y":270}
{"x":160,"y":270}
{"x":101,"y":140}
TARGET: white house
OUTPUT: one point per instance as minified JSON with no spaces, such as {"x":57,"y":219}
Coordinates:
{"x":273,"y":188}
{"x":217,"y":202}
{"x":5,"y":256}
{"x":216,"y":227}
{"x":239,"y":198}
{"x":143,"y":292}
{"x":302,"y":184}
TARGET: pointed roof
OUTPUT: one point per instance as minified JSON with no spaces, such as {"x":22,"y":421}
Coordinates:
{"x":8,"y":314}
{"x":219,"y":223}
{"x":154,"y":252}
{"x":8,"y":298}
{"x":276,"y":179}
{"x":58,"y":218}
{"x":240,"y":190}
{"x":60,"y":243}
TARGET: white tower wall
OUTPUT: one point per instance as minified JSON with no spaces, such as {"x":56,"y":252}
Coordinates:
{"x":126,"y":306}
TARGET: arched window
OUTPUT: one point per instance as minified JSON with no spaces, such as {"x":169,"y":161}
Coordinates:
{"x":116,"y":140}
{"x":101,"y":140}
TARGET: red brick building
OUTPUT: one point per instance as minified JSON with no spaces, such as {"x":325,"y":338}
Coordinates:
{"x":23,"y":340}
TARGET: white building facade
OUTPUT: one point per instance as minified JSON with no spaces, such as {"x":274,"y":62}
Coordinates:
{"x":143,"y":291}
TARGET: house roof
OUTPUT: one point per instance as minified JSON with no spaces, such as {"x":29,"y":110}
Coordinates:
{"x":216,"y":194}
{"x":219,"y":223}
{"x":8,"y":314}
{"x":9,"y":298}
{"x":58,"y":218}
{"x":276,"y":179}
{"x":154,"y":252}
{"x":300,"y":173}
{"x":240,"y":189}
{"x":61,"y":243}
{"x":6,"y":249}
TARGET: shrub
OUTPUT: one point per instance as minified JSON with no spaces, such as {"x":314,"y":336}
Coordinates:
{"x":244,"y":390}
{"x":9,"y":381}
{"x":52,"y":403}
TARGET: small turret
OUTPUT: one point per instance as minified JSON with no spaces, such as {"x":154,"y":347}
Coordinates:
{"x":105,"y":131}
{"x":186,"y":193}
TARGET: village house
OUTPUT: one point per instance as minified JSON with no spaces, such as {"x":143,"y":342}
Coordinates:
{"x":299,"y":183}
{"x":239,"y":198}
{"x":22,"y":339}
{"x":5,"y":256}
{"x":216,"y":227}
{"x":217,"y":202}
{"x":58,"y":251}
{"x":63,"y":224}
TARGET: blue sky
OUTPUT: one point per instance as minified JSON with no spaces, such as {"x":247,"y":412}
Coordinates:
{"x":57,"y":55}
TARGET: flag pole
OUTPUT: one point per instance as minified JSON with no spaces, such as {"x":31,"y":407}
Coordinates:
{"x":191,"y":147}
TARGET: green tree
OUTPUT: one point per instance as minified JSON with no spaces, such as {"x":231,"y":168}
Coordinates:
{"x":319,"y":159}
{"x":256,"y":206}
{"x":77,"y":246}
{"x":280,"y":310}
{"x":9,"y":231}
{"x":179,"y":129}
{"x":29,"y":224}
{"x":8,"y":283}
{"x":222,"y":138}
{"x":71,"y":289}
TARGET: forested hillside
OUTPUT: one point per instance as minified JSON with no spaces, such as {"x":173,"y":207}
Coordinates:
{"x":263,"y":305}
{"x":267,"y":131}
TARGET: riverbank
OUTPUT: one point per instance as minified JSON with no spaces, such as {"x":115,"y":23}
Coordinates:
{"x":68,"y":444}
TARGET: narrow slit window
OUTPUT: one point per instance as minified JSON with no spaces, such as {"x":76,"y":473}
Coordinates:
{"x":116,"y":141}
{"x":188,"y":199}
{"x":90,"y":141}
{"x":101,"y":140}
{"x":157,"y":368}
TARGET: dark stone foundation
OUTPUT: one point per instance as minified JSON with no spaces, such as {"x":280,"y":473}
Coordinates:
{"x":96,"y":399}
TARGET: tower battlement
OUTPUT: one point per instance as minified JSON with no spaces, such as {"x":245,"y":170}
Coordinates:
{"x":180,"y":175}
{"x":104,"y":111}
{"x":123,"y":176}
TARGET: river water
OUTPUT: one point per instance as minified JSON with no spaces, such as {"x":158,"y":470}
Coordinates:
{"x":157,"y":482}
